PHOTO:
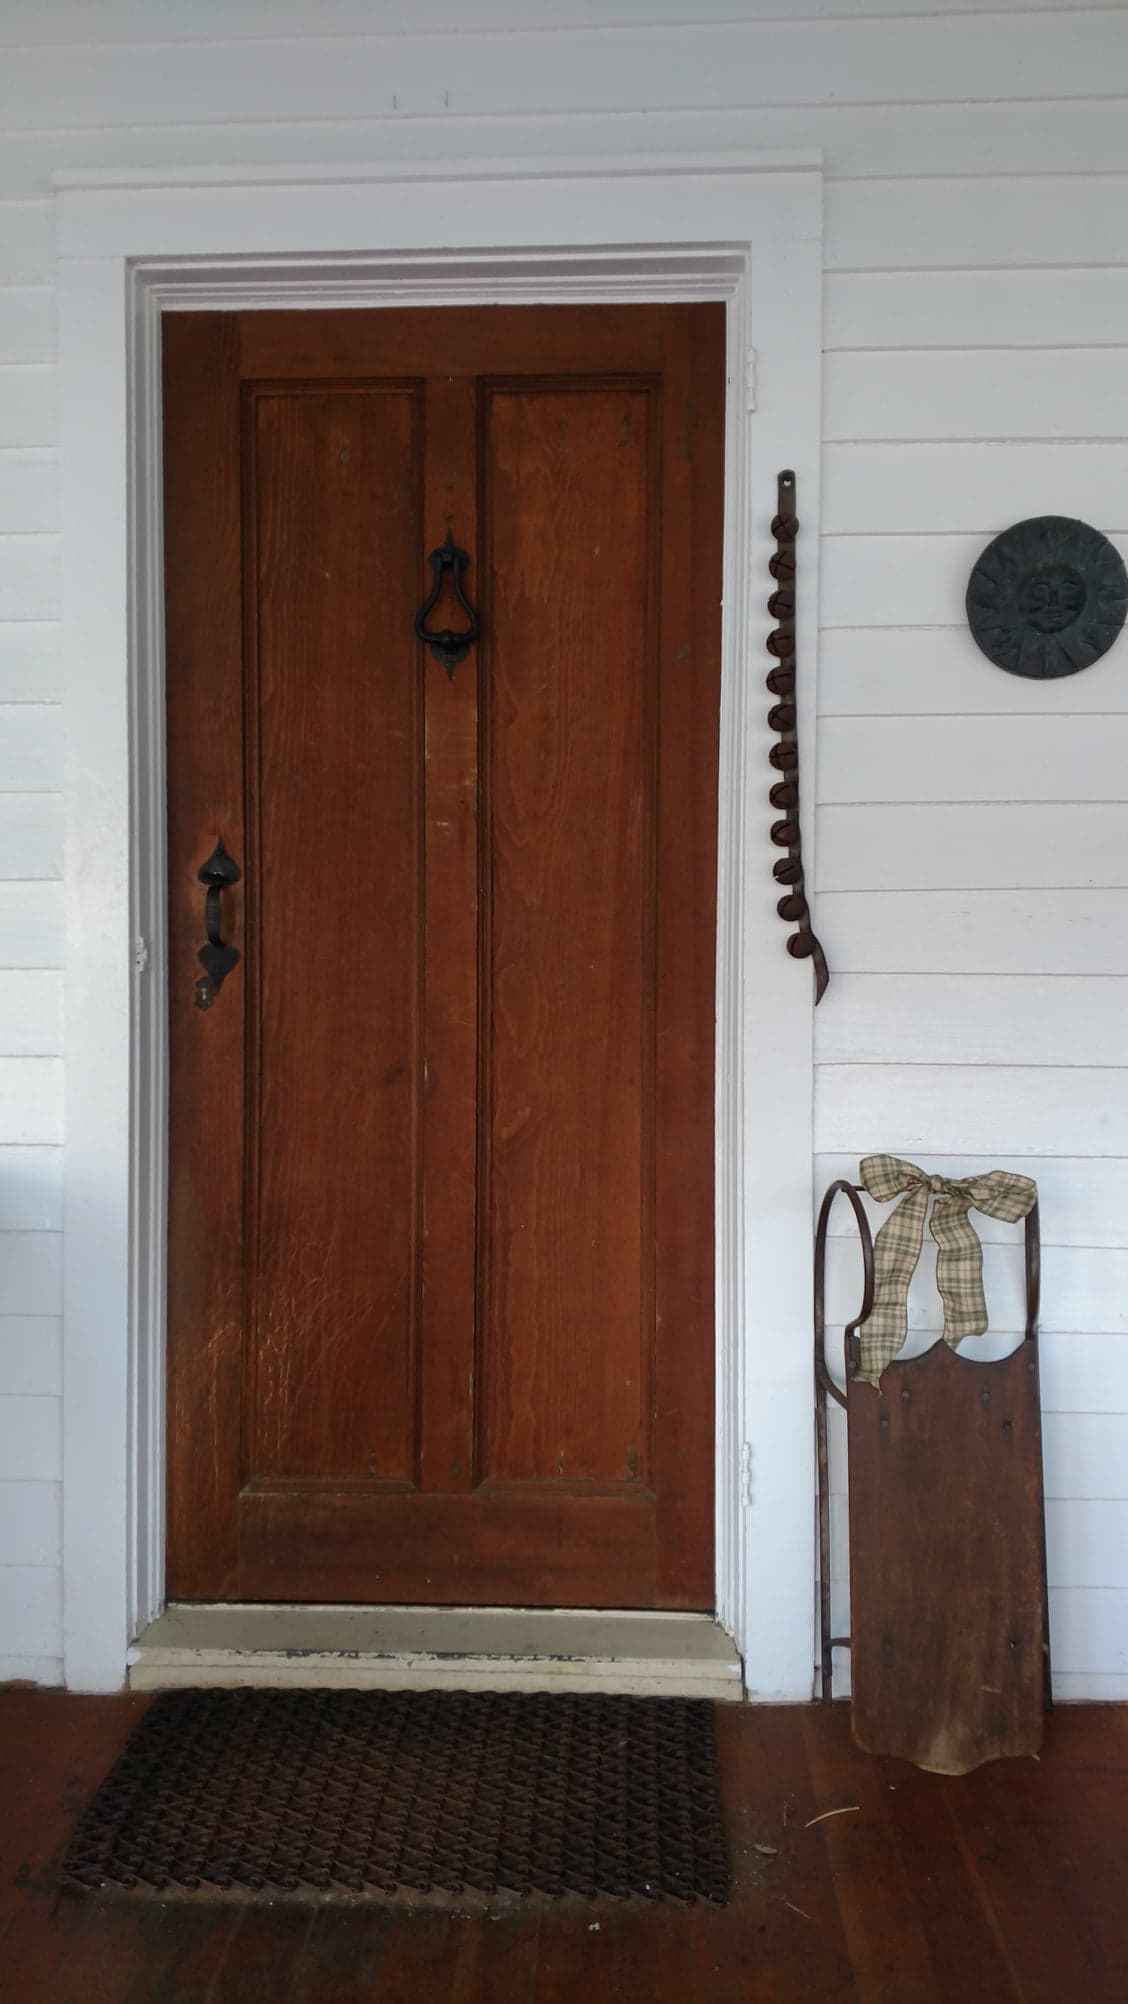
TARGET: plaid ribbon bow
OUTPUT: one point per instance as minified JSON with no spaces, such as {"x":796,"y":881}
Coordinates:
{"x":959,"y":1255}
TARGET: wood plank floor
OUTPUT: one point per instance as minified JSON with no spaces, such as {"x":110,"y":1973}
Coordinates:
{"x":1008,"y":1884}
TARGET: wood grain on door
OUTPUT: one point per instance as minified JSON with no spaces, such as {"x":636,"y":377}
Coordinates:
{"x":441,"y":1245}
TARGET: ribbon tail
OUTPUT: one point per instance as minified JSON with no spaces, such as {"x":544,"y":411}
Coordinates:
{"x":896,"y":1251}
{"x":959,"y":1270}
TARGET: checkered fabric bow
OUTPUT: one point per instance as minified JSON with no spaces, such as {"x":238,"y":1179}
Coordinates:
{"x":959,"y":1255}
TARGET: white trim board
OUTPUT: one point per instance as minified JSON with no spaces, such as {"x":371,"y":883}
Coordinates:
{"x":744,"y":230}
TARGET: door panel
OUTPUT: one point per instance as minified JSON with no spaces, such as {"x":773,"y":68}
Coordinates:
{"x":569,"y":795}
{"x":440,"y":1301}
{"x":333,"y":963}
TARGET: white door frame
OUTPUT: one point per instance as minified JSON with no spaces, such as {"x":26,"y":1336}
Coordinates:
{"x":745,"y":229}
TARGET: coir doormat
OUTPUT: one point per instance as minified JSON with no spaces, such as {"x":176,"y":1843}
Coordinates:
{"x":379,"y":1792}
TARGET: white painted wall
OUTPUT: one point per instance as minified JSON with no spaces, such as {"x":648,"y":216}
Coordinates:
{"x":973,"y":828}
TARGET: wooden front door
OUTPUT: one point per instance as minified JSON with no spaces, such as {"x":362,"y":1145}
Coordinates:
{"x":441,"y":1217}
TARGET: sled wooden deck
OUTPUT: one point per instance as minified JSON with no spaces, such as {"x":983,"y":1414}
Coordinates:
{"x":949,"y":1638}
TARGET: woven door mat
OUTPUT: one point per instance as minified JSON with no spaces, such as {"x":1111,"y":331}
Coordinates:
{"x":411,"y":1793}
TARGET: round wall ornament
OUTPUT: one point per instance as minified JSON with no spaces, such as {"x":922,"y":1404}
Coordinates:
{"x":1048,"y":597}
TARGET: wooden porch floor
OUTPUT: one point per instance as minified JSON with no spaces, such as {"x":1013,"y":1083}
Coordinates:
{"x":1008,"y":1884}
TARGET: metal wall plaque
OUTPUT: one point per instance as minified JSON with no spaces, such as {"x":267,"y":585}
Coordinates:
{"x":1048,"y":597}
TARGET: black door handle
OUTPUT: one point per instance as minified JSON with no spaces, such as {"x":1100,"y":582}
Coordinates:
{"x":447,"y":646}
{"x":215,"y":956}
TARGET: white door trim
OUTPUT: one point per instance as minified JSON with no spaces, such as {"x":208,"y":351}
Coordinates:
{"x":747,"y":230}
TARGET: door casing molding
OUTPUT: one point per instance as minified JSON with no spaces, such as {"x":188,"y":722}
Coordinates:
{"x":746,"y":229}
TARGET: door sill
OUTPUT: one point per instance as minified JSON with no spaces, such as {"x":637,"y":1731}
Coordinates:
{"x":635,"y":1654}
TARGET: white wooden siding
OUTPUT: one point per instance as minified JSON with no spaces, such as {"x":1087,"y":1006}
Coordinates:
{"x":137,"y":20}
{"x":904,"y":489}
{"x":968,"y":932}
{"x":31,"y":834}
{"x":936,"y":671}
{"x":972,"y":828}
{"x":1030,"y":307}
{"x":910,"y":759}
{"x":31,"y":1355}
{"x":30,"y":666}
{"x":931,"y":58}
{"x":1017,"y":846}
{"x":31,"y":923}
{"x":29,"y":493}
{"x":27,"y":323}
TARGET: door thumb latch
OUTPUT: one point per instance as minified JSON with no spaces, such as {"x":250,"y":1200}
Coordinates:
{"x":216,"y":957}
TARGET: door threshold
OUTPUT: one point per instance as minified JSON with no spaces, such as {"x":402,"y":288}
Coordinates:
{"x":635,"y":1654}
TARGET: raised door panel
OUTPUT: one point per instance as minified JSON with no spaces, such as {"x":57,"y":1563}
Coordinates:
{"x":568,"y":950}
{"x":334,"y":916}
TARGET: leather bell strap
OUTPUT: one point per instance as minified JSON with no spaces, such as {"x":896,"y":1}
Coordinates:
{"x":959,"y":1255}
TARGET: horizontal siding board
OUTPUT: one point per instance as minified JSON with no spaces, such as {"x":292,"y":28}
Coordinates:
{"x":1043,"y":848}
{"x":962,"y":1019}
{"x":31,"y":1189}
{"x":938,"y":670}
{"x":930,"y":58}
{"x":31,"y":923}
{"x":30,"y":1439}
{"x":31,"y":747}
{"x":898,"y":489}
{"x":29,"y":577}
{"x":1083,"y":1202}
{"x":1033,"y":308}
{"x":971,"y":932}
{"x":1090,"y":1688}
{"x":27,"y":249}
{"x":1044,"y":219}
{"x":27,"y":21}
{"x":1086,"y":1457}
{"x":910,"y":759}
{"x":1083,"y":1372}
{"x":31,"y":1110}
{"x":30,"y":1523}
{"x":1089,"y":1629}
{"x":45,"y":1670}
{"x":29,"y":495}
{"x":1084,"y":1289}
{"x":27,"y":319}
{"x":1087,"y":1544}
{"x":31,"y":669}
{"x":31,"y":1609}
{"x":857,"y":140}
{"x":31,"y":1273}
{"x":978,"y":393}
{"x":31,"y":854}
{"x":950,"y":1109}
{"x":30,"y":1355}
{"x":31,"y":1013}
{"x":874,"y":581}
{"x":29,"y":412}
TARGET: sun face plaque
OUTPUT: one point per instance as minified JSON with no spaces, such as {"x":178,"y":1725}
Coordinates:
{"x":1047,"y":598}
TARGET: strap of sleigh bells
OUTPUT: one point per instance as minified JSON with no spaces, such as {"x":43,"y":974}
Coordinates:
{"x":959,"y":1254}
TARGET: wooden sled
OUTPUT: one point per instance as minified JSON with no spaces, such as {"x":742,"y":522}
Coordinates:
{"x":949,"y":1639}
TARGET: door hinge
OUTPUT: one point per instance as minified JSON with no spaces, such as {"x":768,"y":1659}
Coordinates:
{"x":140,"y":954}
{"x":746,"y":1473}
{"x":750,"y":380}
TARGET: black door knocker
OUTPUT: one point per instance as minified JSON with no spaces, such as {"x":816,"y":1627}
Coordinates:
{"x":446,"y":645}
